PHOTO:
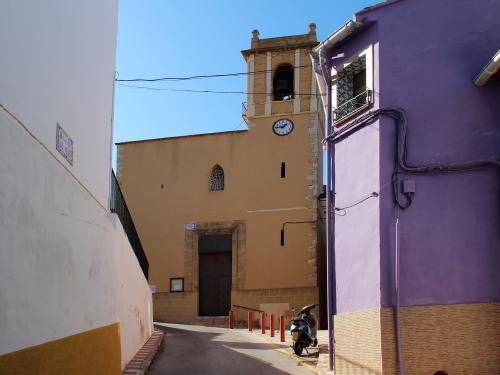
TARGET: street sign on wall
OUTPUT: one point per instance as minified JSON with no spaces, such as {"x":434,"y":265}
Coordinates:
{"x":64,"y":144}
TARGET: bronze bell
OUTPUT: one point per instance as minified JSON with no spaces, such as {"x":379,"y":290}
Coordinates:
{"x":283,"y":90}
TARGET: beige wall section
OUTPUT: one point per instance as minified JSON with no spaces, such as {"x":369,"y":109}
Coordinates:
{"x":459,"y":339}
{"x":259,"y":83}
{"x":182,"y":165}
{"x":285,"y":301}
{"x":175,"y":307}
{"x":254,"y":192}
{"x":182,"y":307}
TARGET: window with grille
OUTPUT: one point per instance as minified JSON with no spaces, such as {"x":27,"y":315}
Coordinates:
{"x":352,"y":87}
{"x":217,"y":179}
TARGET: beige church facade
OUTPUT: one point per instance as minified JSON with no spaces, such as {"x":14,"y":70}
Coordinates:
{"x":230,"y":220}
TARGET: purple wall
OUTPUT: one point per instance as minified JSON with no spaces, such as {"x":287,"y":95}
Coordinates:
{"x":357,"y":172}
{"x":430,"y":51}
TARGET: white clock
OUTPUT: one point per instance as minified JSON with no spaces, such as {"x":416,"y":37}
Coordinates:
{"x":283,"y":127}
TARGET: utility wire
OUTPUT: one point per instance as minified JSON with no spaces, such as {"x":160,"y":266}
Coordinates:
{"x":205,"y":91}
{"x":188,"y":78}
{"x":359,"y":201}
{"x":241,"y":123}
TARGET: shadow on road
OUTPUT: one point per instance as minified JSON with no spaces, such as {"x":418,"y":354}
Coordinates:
{"x":206,"y":350}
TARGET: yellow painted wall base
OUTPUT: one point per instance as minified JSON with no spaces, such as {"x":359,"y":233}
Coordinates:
{"x":95,"y":352}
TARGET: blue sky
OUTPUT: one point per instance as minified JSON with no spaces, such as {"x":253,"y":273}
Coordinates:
{"x":159,"y":38}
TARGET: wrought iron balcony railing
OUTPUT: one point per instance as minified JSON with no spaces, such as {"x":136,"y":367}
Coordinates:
{"x":119,"y":206}
{"x":353,"y":106}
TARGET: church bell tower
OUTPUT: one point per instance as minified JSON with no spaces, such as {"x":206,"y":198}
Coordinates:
{"x":284,"y":159}
{"x":282,"y":113}
{"x":280,"y":75}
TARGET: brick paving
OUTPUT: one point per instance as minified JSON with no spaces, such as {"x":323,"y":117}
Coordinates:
{"x":141,"y":361}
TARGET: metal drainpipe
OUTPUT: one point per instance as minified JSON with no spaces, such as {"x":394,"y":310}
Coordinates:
{"x":330,"y":236}
{"x":398,"y":303}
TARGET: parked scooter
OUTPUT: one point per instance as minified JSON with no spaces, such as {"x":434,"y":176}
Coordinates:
{"x":304,"y":329}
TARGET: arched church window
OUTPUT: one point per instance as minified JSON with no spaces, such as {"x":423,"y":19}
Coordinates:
{"x":217,"y":179}
{"x":283,"y":82}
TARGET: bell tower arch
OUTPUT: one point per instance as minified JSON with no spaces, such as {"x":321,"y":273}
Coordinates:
{"x":280,"y":70}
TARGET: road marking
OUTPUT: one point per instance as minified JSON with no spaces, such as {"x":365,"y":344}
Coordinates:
{"x":294,"y":357}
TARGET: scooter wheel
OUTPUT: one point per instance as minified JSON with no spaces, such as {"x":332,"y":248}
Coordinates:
{"x":298,"y":348}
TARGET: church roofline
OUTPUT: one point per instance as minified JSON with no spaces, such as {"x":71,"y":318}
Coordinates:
{"x":182,"y":136}
{"x":248,"y":52}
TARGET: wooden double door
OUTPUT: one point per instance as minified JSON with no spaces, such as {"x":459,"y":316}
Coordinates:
{"x":215,"y":269}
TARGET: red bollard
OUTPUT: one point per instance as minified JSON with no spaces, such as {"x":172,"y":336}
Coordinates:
{"x":282,"y":328}
{"x":271,"y":324}
{"x":250,"y":320}
{"x":231,"y":319}
{"x":263,"y":322}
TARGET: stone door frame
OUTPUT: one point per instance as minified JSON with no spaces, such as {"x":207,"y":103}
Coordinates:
{"x":237,"y":228}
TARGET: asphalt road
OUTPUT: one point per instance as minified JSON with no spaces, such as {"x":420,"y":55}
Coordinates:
{"x":189,"y":349}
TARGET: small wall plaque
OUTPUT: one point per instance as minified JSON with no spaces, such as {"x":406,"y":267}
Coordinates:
{"x":64,"y":144}
{"x":177,"y":284}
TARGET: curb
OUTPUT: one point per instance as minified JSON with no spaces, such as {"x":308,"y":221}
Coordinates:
{"x":323,"y":367}
{"x":142,"y":359}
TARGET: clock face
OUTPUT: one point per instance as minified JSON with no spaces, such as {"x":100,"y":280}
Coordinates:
{"x":282,"y":127}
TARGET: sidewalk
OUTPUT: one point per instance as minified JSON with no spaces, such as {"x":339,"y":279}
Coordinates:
{"x":141,"y":361}
{"x":323,"y":361}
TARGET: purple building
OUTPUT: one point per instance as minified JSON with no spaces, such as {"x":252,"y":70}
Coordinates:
{"x":413,"y":108}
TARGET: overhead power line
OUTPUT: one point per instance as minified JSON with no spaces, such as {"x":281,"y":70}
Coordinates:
{"x":205,"y":91}
{"x":188,"y":78}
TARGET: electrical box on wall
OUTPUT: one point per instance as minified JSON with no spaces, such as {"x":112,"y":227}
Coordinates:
{"x":409,"y":187}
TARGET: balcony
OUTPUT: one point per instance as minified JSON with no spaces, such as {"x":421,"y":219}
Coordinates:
{"x":119,"y":206}
{"x":353,"y":106}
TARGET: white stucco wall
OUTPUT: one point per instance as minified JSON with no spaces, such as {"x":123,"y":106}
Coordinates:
{"x":57,"y":65}
{"x":135,"y":307}
{"x":66,"y":265}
